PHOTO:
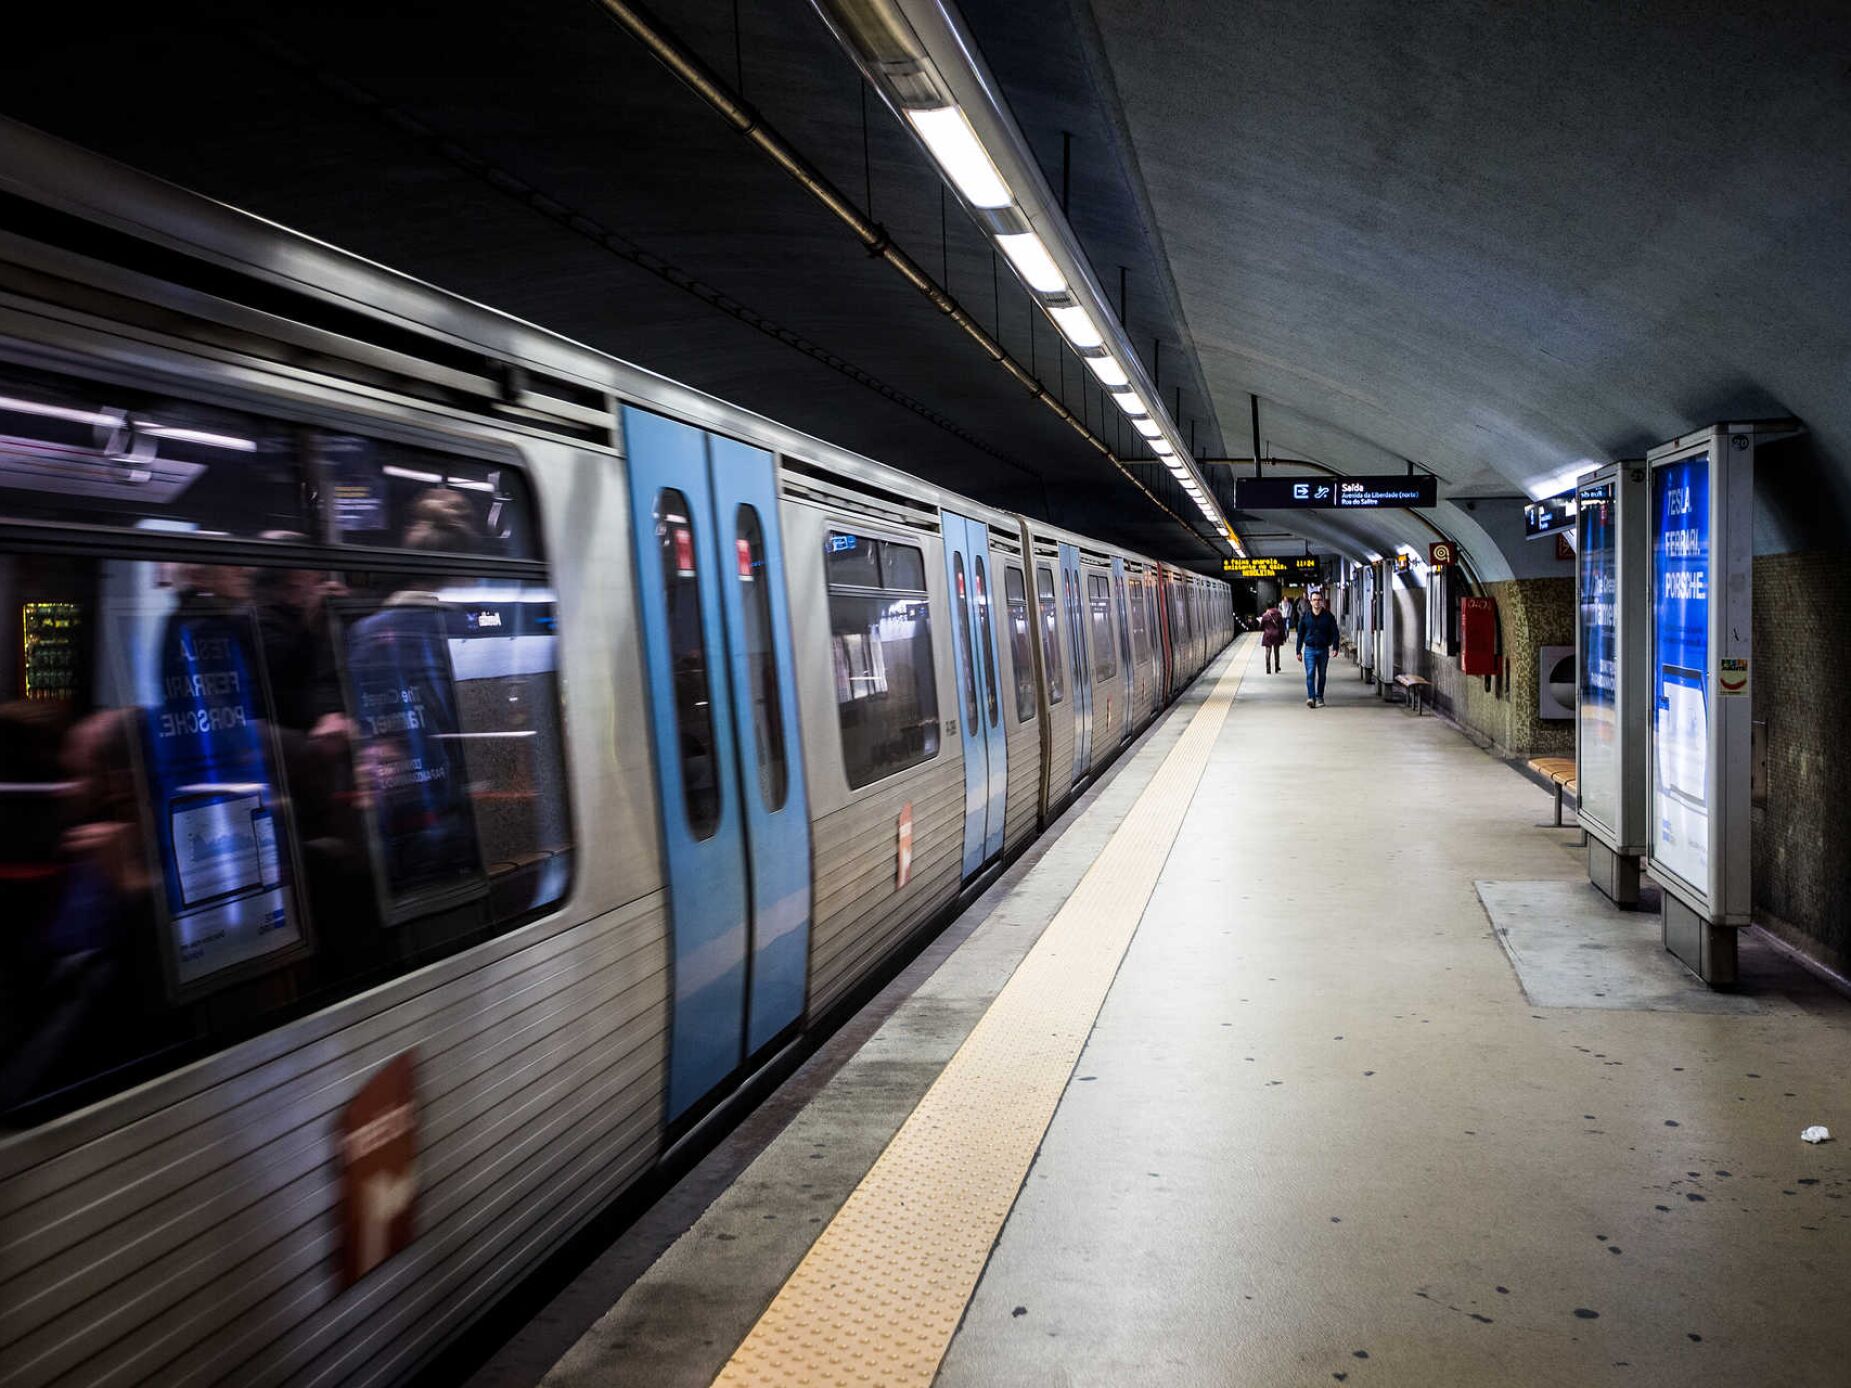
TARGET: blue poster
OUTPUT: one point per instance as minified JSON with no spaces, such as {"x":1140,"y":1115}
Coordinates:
{"x":1597,"y":704}
{"x":223,"y":851}
{"x":1681,"y":660}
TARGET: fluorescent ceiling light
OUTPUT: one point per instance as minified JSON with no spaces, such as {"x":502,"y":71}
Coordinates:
{"x":961,"y":155}
{"x":1148,"y":427}
{"x":1077,"y":326}
{"x":69,"y":416}
{"x":1032,"y":262}
{"x":1107,"y":370}
{"x":1130,"y":401}
{"x":1161,"y":447}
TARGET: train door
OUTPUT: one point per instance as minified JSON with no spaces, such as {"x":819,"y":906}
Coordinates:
{"x":1081,"y":667}
{"x":1128,"y":691}
{"x":723,"y":716}
{"x":967,"y":550}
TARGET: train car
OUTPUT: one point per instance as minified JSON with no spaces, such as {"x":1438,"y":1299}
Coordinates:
{"x":441,"y":764}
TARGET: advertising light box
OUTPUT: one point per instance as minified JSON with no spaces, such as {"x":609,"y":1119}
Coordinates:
{"x":1613,"y":685}
{"x":1681,"y":526}
{"x":1702,"y":568}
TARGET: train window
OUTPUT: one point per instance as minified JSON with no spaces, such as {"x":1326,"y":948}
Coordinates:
{"x":761,"y":659}
{"x":75,"y":450}
{"x":1105,"y":642}
{"x":234,"y":793}
{"x":1075,"y":629}
{"x":880,"y":626}
{"x":1050,"y":631}
{"x":392,"y":495}
{"x":1140,"y":633}
{"x":1015,"y":593}
{"x":960,"y":601}
{"x":687,"y":652}
{"x":985,"y":637}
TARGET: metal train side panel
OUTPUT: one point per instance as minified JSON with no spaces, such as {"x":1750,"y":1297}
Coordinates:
{"x":185,"y":1230}
{"x":861,"y":910}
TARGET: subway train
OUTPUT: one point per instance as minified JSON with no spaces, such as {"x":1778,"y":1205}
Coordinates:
{"x":441,"y":764}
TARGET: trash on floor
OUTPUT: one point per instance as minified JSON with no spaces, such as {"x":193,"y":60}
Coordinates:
{"x":1818,"y":1132}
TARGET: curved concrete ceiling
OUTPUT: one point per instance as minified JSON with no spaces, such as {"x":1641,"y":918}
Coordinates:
{"x":1505,"y":241}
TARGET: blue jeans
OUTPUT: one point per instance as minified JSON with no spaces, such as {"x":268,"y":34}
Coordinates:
{"x":1317,"y":664}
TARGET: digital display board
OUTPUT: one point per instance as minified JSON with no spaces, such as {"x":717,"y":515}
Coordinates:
{"x":1680,"y":664}
{"x":1337,"y":493}
{"x":1550,"y":515}
{"x":1597,"y":680}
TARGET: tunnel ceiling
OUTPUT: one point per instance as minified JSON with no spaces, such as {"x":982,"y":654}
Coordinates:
{"x":1497,"y":241}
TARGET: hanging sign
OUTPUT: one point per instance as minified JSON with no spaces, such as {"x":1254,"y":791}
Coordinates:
{"x":1440,"y":554}
{"x":1340,"y":493}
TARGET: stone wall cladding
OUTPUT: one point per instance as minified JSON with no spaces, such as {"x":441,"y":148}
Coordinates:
{"x":1802,"y":859}
{"x":1532,"y":612}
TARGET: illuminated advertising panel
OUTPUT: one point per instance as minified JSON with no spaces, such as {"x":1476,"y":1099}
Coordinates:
{"x":1597,"y":678}
{"x":1681,"y":662}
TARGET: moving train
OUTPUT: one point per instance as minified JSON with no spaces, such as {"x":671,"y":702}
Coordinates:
{"x":442,"y":763}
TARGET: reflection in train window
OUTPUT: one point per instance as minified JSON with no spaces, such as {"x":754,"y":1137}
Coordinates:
{"x":985,"y":637}
{"x":1021,"y":658}
{"x":89,"y":451}
{"x":233,"y":793}
{"x":880,"y":636}
{"x":1105,"y":642}
{"x":676,"y":547}
{"x":1050,"y":630}
{"x":385,"y":494}
{"x":761,"y":659}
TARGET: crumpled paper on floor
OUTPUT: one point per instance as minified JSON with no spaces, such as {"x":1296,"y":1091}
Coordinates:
{"x":1818,"y":1132}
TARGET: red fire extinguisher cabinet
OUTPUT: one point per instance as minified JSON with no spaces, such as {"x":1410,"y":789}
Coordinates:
{"x":1478,"y":636}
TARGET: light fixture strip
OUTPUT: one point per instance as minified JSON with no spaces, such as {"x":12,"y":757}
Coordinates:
{"x":946,"y":94}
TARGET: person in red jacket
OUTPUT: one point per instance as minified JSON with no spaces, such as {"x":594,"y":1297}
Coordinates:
{"x":1272,"y":637}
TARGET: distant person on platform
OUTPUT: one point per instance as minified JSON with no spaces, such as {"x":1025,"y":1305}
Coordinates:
{"x":1272,"y":637}
{"x":1317,"y":634}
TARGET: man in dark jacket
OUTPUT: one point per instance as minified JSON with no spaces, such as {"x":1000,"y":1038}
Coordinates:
{"x":1317,"y":634}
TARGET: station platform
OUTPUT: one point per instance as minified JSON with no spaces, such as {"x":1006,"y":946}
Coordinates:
{"x":1233,"y":1080}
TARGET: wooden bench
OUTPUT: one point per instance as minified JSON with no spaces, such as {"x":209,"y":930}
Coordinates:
{"x":1560,"y":771}
{"x":1413,"y":685}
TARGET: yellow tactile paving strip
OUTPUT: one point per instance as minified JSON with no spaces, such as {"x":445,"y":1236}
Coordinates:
{"x":879,"y":1296}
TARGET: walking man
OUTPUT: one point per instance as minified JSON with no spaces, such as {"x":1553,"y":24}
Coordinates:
{"x":1272,"y":638}
{"x":1317,"y":633}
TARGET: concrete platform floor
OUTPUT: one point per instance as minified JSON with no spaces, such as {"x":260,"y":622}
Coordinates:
{"x":1318,"y":1134}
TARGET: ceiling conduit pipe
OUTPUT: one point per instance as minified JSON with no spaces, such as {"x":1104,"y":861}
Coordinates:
{"x":745,"y":119}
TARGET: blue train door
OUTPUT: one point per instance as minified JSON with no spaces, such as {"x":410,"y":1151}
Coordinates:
{"x":961,"y":557}
{"x":1082,"y":667}
{"x":758,"y":624}
{"x":735,"y":819}
{"x":996,"y":737}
